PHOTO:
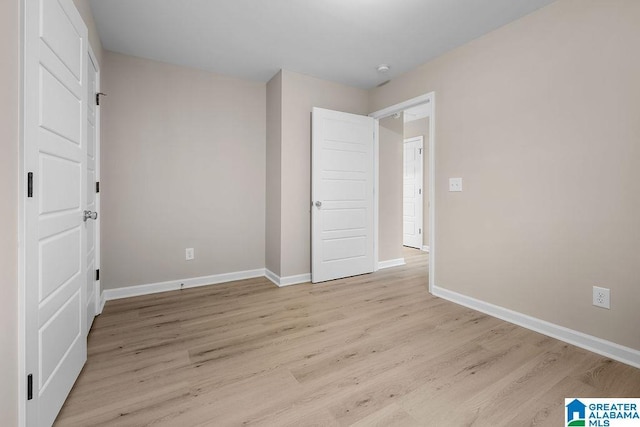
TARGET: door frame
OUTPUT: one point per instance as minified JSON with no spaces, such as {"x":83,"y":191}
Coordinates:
{"x":99,"y":302}
{"x":419,"y":139}
{"x":427,"y":98}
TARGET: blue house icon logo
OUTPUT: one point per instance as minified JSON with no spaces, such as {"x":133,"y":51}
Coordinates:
{"x":576,"y":413}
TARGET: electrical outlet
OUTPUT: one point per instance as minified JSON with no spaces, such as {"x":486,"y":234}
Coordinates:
{"x":455,"y":184}
{"x":189,"y":254}
{"x":601,"y":297}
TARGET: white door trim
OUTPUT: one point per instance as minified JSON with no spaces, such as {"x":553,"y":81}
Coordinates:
{"x":398,"y":108}
{"x":429,"y":98}
{"x":97,"y":294}
{"x":376,"y":186}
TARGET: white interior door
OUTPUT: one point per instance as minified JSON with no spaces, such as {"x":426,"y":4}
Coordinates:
{"x":55,"y":156}
{"x":92,"y":227}
{"x":412,"y":193}
{"x":342,"y":241}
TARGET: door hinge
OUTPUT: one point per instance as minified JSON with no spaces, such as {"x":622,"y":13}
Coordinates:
{"x":98,"y":274}
{"x":419,"y":150}
{"x":419,"y":230}
{"x":29,"y":386}
{"x":97,"y":187}
{"x":98,"y":97}
{"x":420,"y":191}
{"x":30,"y":184}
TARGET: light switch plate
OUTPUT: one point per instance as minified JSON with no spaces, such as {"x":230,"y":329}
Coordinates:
{"x":455,"y":184}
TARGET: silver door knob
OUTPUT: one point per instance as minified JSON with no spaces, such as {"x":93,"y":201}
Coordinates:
{"x":318,"y":204}
{"x":90,"y":215}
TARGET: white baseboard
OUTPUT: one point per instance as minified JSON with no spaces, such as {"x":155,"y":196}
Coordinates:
{"x":425,"y":248}
{"x":272,"y":276}
{"x":391,"y":263}
{"x":102,"y":302}
{"x":606,"y":348}
{"x":288,"y":280}
{"x":173,"y":285}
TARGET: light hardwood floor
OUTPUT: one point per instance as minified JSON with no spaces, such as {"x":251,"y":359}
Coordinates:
{"x":370,"y":350}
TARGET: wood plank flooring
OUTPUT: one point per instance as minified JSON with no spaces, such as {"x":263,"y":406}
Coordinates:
{"x":372,"y":350}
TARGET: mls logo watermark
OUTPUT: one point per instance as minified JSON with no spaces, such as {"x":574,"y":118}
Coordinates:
{"x":602,"y":412}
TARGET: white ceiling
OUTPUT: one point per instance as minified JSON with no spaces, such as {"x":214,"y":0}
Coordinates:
{"x":337,"y":40}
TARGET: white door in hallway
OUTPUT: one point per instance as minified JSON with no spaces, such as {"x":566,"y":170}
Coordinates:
{"x":342,"y":211}
{"x":412,"y":193}
{"x":55,"y":157}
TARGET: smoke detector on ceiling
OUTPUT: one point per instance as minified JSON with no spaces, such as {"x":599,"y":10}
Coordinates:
{"x":383,"y":68}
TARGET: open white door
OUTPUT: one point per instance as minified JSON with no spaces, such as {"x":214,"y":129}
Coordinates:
{"x":342,"y":180}
{"x":412,"y":193}
{"x":55,"y":156}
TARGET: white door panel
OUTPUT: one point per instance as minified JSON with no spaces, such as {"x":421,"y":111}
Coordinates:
{"x":344,"y":189}
{"x":344,"y":219}
{"x":60,"y":181}
{"x":342,"y":186}
{"x":345,"y":247}
{"x":412,"y":193}
{"x":55,"y":149}
{"x":341,"y":160}
{"x":60,"y":260}
{"x":60,"y":108}
{"x":60,"y":32}
{"x":58,"y":334}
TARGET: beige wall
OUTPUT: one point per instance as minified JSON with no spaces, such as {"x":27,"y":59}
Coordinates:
{"x":300,"y":93}
{"x":412,"y":129}
{"x":390,"y":184}
{"x":9,"y":160}
{"x":540,"y":119}
{"x":183,"y":165}
{"x":273,"y":242}
{"x":84,"y":7}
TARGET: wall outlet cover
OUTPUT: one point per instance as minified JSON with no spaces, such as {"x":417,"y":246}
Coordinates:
{"x":189,"y":254}
{"x":455,"y":184}
{"x":601,"y":297}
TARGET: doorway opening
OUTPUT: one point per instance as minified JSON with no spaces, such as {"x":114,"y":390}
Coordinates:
{"x":421,"y":111}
